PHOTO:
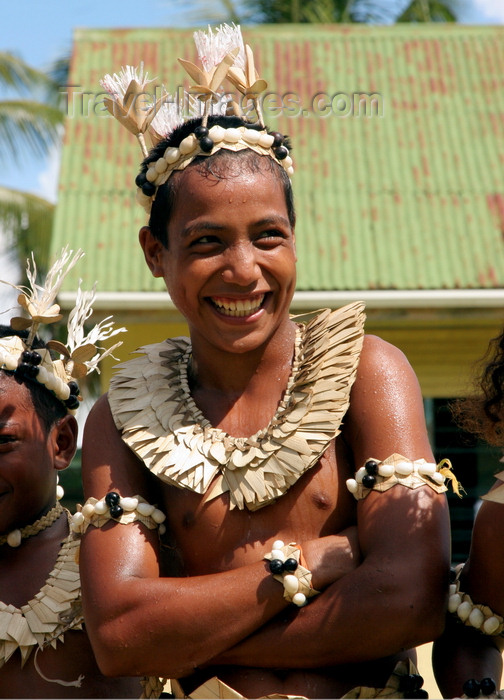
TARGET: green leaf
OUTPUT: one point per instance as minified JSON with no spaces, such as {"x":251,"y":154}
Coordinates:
{"x":27,"y":221}
{"x":27,"y":127}
{"x":330,"y":11}
{"x":427,"y":11}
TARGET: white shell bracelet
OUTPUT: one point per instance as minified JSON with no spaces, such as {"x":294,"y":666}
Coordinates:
{"x":378,"y":475}
{"x":121,"y":510}
{"x":481,"y":617}
{"x":286,"y":567}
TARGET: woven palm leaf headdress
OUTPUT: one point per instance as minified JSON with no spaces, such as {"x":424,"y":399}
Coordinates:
{"x":223,"y":57}
{"x":58,"y":365}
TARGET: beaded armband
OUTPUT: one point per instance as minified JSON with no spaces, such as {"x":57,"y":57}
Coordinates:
{"x":120,"y":510}
{"x":285,"y":565}
{"x":396,"y":469}
{"x":481,"y":617}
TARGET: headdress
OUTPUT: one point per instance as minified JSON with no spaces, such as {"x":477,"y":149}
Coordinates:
{"x":223,"y":57}
{"x":78,"y":356}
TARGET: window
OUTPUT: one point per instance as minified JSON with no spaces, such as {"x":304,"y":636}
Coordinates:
{"x":474,"y":464}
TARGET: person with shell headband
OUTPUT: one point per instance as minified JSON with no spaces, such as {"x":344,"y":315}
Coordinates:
{"x":289,"y":565}
{"x":44,"y":649}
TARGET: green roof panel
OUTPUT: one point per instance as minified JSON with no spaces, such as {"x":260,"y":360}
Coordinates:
{"x":405,"y":193}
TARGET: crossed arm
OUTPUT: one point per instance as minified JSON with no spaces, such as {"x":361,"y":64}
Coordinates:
{"x":141,"y":624}
{"x":395,"y":598}
{"x":391,"y":602}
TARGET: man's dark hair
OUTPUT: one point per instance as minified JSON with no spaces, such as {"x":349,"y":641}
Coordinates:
{"x":249,"y":160}
{"x":48,"y":408}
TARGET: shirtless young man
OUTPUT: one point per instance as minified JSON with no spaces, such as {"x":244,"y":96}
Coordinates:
{"x":44,"y":650}
{"x":468,"y":656}
{"x":235,"y":435}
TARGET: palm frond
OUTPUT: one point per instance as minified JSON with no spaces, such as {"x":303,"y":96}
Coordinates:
{"x":17,"y":74}
{"x":327,"y":11}
{"x":427,"y":11}
{"x":299,"y":11}
{"x":201,"y":13}
{"x":231,"y":11}
{"x":28,"y":126}
{"x":58,"y":73}
{"x":27,"y":221}
{"x":376,"y":12}
{"x":59,"y":70}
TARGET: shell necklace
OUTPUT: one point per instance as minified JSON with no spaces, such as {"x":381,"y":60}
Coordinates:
{"x":14,"y":538}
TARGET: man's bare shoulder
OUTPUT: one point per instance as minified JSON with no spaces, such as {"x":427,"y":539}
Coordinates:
{"x":105,"y":455}
{"x":381,"y":358}
{"x":386,"y":414}
{"x":100,"y":421}
{"x":384,"y":376}
{"x":100,"y":408}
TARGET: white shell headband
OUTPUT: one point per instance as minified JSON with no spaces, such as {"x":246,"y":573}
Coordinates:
{"x":223,"y":57}
{"x":78,"y":356}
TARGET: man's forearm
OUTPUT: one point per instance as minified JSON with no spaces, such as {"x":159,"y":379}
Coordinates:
{"x":175,"y":625}
{"x":370,"y":613}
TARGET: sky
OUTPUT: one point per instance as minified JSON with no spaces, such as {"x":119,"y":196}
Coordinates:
{"x":40,"y":31}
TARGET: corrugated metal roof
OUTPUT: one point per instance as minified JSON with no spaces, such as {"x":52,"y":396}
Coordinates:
{"x":411,"y":197}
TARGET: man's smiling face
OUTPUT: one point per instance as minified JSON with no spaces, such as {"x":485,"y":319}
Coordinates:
{"x":231,"y":265}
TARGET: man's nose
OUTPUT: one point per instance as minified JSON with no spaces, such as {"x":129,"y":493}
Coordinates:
{"x":241,"y":265}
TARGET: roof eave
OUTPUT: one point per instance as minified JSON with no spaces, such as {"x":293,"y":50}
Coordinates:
{"x":311,"y":300}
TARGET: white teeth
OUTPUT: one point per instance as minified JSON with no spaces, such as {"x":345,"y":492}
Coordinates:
{"x":239,"y":307}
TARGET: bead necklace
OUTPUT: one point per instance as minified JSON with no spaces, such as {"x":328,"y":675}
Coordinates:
{"x":14,"y":538}
{"x":185,"y":370}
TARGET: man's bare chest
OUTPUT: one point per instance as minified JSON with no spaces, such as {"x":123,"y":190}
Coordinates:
{"x":211,"y":537}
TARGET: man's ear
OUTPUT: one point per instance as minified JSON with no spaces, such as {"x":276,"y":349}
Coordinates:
{"x":64,"y":435}
{"x":152,"y":249}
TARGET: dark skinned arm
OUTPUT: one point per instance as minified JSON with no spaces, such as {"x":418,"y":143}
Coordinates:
{"x":395,"y":599}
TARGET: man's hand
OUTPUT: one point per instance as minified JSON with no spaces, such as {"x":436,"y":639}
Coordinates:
{"x":332,"y":557}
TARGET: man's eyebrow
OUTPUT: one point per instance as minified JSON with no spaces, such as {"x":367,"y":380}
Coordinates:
{"x":273,"y":220}
{"x":202,"y":226}
{"x":211,"y":226}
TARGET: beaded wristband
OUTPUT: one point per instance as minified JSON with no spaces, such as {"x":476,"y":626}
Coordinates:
{"x":121,"y":510}
{"x":396,"y":469}
{"x":481,"y":617}
{"x":285,"y":565}
{"x":485,"y":688}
